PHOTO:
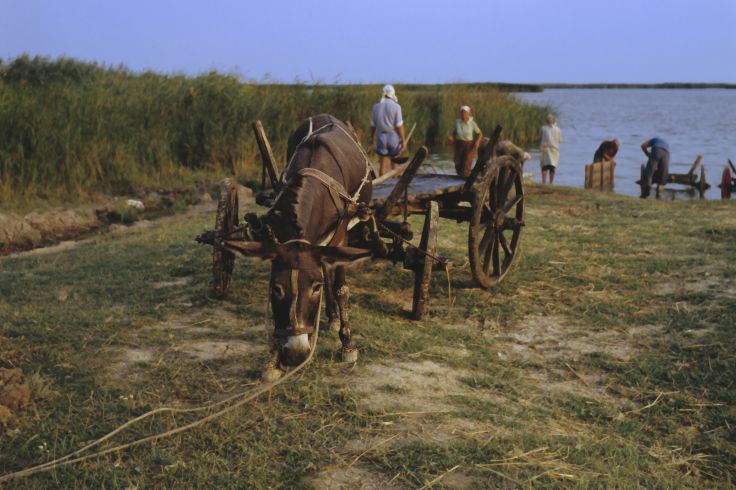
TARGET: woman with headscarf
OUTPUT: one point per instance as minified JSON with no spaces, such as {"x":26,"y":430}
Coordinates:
{"x":387,"y":121}
{"x":466,"y":146}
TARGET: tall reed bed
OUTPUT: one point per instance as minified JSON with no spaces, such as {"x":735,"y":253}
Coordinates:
{"x":69,"y":129}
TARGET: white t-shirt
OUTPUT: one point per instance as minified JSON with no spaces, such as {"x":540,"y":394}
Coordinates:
{"x":386,"y":116}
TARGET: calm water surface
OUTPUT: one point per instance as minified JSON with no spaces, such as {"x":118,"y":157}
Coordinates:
{"x":693,"y":122}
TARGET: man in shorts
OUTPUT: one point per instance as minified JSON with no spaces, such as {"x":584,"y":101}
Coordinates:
{"x":386,"y":120}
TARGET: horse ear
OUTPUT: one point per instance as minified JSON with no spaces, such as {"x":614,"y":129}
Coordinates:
{"x":343,"y":255}
{"x":265,"y":251}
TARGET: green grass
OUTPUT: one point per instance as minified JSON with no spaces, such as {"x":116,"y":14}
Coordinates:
{"x":605,"y":359}
{"x":70,"y":129}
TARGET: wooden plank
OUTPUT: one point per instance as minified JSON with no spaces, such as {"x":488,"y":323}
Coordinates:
{"x":603,"y":176}
{"x":267,"y":155}
{"x":599,"y":176}
{"x":695,"y":165}
{"x":422,"y":187}
{"x":401,"y":186}
{"x":683,"y":179}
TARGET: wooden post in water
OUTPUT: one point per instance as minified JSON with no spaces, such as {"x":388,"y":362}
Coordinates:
{"x":600,"y":176}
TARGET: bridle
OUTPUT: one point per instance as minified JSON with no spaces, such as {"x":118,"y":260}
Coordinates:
{"x":293,"y":331}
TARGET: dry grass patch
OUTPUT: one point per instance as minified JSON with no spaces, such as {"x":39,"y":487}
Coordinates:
{"x":354,"y":477}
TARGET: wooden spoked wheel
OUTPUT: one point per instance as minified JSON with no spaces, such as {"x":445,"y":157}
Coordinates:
{"x":423,"y":266}
{"x":496,"y":221}
{"x":225,"y":221}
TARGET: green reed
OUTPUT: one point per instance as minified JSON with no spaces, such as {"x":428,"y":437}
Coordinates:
{"x":70,"y":129}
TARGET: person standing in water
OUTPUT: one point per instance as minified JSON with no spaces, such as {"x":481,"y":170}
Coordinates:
{"x":550,"y":137}
{"x":387,"y":121}
{"x":658,"y":166}
{"x":465,"y":146}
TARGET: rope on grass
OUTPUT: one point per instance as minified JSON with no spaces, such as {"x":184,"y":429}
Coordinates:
{"x":246,"y":397}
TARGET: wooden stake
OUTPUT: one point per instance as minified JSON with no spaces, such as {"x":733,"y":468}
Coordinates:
{"x":269,"y":162}
{"x":695,"y":165}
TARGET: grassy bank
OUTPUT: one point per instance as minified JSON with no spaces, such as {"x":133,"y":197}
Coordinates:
{"x":605,"y":359}
{"x":70,"y":129}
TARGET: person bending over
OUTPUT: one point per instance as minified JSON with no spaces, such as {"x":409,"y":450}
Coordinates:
{"x":607,"y":150}
{"x":658,"y":165}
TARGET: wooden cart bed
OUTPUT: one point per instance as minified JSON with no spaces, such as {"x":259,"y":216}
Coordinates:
{"x":423,"y":187}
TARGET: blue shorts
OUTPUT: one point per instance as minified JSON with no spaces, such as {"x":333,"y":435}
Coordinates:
{"x":388,"y":144}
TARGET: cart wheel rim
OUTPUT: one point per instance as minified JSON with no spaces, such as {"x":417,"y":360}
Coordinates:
{"x":496,"y":222}
{"x":226,"y":220}
{"x":726,"y":183}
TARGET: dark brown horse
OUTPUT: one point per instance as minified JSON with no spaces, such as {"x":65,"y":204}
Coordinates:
{"x":326,"y":175}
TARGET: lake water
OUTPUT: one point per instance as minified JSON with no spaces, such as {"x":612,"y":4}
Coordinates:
{"x":694,"y":122}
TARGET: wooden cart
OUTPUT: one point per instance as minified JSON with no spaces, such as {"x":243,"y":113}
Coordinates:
{"x":490,"y":200}
{"x":689,"y":179}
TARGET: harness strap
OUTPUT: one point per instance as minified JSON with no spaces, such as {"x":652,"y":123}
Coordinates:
{"x":327,"y":181}
{"x":345,"y":210}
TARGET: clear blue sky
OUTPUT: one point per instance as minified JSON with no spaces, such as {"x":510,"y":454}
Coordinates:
{"x":376,"y":40}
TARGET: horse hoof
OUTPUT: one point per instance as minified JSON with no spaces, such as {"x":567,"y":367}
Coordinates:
{"x":349,"y":355}
{"x":334,"y":325}
{"x":271,"y":374}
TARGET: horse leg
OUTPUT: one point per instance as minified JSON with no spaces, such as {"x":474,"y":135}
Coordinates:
{"x":333,"y":317}
{"x":272,"y":370}
{"x":349,"y":352}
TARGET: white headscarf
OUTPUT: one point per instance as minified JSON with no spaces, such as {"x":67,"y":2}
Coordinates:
{"x":389,"y":92}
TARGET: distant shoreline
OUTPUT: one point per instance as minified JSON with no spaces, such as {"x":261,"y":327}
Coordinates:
{"x":638,"y":85}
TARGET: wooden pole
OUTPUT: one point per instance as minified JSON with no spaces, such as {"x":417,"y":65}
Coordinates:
{"x":269,"y":162}
{"x":695,"y":165}
{"x":401,"y":186}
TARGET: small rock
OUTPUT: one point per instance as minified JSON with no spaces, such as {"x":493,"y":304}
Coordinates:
{"x":135,"y":204}
{"x":205,"y":198}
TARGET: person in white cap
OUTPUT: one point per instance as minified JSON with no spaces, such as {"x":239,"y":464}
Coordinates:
{"x":465,"y":141}
{"x":387,"y":121}
{"x":549,"y":148}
